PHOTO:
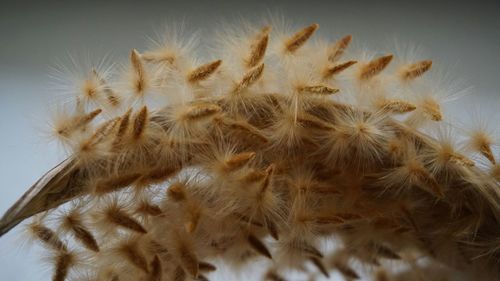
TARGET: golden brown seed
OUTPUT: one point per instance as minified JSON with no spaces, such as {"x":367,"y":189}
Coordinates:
{"x":203,"y":72}
{"x":64,"y":261}
{"x":111,"y":96}
{"x":81,"y":233}
{"x":485,"y":150}
{"x":149,"y":209}
{"x":309,"y":250}
{"x":258,"y":47}
{"x":346,"y":270}
{"x":336,"y":69}
{"x":273,"y":276}
{"x":384,"y":251}
{"x":78,"y":123}
{"x":267,"y":179}
{"x":206,"y":267}
{"x":189,"y":261}
{"x":374,"y":67}
{"x":318,"y":89}
{"x":122,"y":129}
{"x":397,"y":106}
{"x":272,"y":228}
{"x":120,"y":218}
{"x":156,"y":270}
{"x":247,"y":220}
{"x":140,"y":123}
{"x":299,"y":38}
{"x":194,"y":215}
{"x":201,"y":111}
{"x":179,"y":274}
{"x":495,"y":172}
{"x":415,"y":70}
{"x":138,"y":67}
{"x":247,"y":131}
{"x":426,"y":180}
{"x":249,"y":78}
{"x":102,"y":132}
{"x":176,"y":192}
{"x":338,"y":48}
{"x":133,"y":255}
{"x":381,"y":275}
{"x":461,"y":160}
{"x":433,"y":110}
{"x":309,"y":121}
{"x":238,"y":161}
{"x":319,"y":264}
{"x":48,"y":237}
{"x":258,"y":246}
{"x":158,"y":57}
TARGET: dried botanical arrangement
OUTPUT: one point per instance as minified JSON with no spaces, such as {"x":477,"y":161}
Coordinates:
{"x":282,"y":153}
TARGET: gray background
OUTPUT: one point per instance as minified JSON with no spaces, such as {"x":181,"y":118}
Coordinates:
{"x":461,"y":36}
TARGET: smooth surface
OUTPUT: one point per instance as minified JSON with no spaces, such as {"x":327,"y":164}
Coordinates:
{"x":461,"y":37}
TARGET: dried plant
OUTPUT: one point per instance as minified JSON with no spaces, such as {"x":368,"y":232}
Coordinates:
{"x":283,"y":152}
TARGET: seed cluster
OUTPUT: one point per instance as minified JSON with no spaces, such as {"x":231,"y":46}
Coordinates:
{"x":282,"y":153}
